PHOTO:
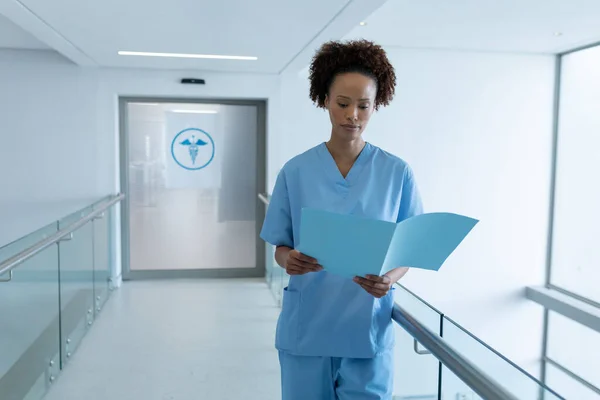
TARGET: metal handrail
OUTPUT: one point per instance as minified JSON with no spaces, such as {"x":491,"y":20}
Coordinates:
{"x":480,"y":382}
{"x":10,"y":264}
{"x":264,"y":198}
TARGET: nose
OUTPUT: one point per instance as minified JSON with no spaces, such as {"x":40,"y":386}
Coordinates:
{"x":352,"y":114}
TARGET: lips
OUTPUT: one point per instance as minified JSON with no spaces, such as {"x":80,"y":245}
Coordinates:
{"x":352,"y":127}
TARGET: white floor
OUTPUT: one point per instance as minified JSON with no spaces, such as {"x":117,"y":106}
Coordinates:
{"x":178,"y":340}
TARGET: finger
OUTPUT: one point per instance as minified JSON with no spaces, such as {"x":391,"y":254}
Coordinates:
{"x":380,"y":289}
{"x":386,"y":280}
{"x":302,"y":257}
{"x":380,"y":281}
{"x":294,"y":266}
{"x":373,"y":284}
{"x":375,"y":293}
{"x":376,"y":278}
{"x":359,"y":279}
{"x":371,"y":278}
{"x":364,"y":281}
{"x":306,"y":266}
{"x":381,"y":286}
{"x":316,"y":267}
{"x":311,"y":266}
{"x":296,"y":271}
{"x":379,"y":294}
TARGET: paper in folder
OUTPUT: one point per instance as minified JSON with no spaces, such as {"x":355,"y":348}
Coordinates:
{"x":350,"y":245}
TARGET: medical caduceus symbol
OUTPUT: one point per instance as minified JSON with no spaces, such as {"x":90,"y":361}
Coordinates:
{"x":193,"y":145}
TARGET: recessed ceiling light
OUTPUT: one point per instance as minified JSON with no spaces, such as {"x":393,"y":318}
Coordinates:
{"x":363,"y":23}
{"x":195,"y":111}
{"x":183,"y":55}
{"x":558,"y":33}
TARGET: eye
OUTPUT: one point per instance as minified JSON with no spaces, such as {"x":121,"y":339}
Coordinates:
{"x":342,"y":105}
{"x":363,"y":107}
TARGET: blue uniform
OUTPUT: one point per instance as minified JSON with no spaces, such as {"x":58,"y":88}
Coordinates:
{"x":324,"y":315}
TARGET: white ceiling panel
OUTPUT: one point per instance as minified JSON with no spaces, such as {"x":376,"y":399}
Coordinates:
{"x":13,"y":37}
{"x":272,"y":30}
{"x":530,"y":26}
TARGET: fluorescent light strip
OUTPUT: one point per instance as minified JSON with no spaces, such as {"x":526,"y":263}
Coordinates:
{"x":195,"y":111}
{"x":181,"y":55}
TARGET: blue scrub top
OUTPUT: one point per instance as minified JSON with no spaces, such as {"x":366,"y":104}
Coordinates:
{"x":324,"y":314}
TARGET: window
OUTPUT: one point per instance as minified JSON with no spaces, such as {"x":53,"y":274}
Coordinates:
{"x":571,"y":359}
{"x":575,"y":258}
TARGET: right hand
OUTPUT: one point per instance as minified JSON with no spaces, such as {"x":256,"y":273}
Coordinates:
{"x":299,"y":264}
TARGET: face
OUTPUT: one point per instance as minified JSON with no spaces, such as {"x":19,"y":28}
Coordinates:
{"x":351,"y":102}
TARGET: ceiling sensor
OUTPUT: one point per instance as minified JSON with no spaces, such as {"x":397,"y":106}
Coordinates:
{"x":193,"y":81}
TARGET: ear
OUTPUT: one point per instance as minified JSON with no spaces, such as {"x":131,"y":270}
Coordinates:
{"x":327,"y":101}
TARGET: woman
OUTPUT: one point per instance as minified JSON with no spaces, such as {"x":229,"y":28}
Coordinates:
{"x":335,"y":336}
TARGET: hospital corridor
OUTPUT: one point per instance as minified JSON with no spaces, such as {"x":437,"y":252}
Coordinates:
{"x":157,"y":359}
{"x":283,"y":200}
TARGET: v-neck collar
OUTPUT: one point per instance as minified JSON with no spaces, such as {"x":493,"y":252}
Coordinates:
{"x":334,"y":172}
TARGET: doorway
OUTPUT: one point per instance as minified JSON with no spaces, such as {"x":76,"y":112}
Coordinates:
{"x":191,"y":171}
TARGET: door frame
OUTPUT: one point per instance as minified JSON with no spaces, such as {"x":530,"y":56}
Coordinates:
{"x":261,"y":175}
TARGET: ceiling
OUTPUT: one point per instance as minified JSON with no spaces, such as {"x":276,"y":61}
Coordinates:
{"x":13,"y":37}
{"x":522,"y":26}
{"x":275,"y":31}
{"x":283,"y":34}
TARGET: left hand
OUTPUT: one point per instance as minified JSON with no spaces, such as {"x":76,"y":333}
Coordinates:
{"x":377,"y":286}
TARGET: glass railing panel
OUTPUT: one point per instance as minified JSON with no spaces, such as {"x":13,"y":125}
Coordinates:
{"x":76,"y":283}
{"x":29,"y":321}
{"x":416,"y":372}
{"x":278,"y":283}
{"x":454,"y":388}
{"x":269,"y":267}
{"x":102,"y":256}
{"x":507,"y":374}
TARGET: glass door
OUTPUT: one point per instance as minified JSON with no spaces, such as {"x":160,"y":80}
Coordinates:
{"x":191,"y":173}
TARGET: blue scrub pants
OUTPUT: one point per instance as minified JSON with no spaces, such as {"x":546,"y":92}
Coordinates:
{"x":329,"y":378}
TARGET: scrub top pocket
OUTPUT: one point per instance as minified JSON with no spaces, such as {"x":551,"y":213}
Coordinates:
{"x":288,"y":323}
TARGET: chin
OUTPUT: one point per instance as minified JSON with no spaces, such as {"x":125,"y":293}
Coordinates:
{"x":349,"y":136}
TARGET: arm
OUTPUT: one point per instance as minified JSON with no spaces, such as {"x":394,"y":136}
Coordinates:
{"x":278,"y":231}
{"x":396,"y":274}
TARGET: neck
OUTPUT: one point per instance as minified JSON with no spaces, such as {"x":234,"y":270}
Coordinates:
{"x":343,"y":150}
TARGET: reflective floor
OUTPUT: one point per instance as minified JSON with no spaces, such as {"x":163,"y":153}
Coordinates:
{"x":178,"y":340}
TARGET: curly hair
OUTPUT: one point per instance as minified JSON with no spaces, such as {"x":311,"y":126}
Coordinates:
{"x":362,"y":56}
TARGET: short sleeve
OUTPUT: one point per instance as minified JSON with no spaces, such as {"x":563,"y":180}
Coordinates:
{"x":410,"y":200}
{"x":277,"y":227}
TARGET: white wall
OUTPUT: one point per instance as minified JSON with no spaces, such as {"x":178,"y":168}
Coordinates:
{"x":298,"y":124}
{"x":48,"y":137}
{"x":477,"y":129}
{"x":59,"y":129}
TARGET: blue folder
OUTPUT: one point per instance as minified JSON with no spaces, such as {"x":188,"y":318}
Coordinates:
{"x":350,"y":245}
